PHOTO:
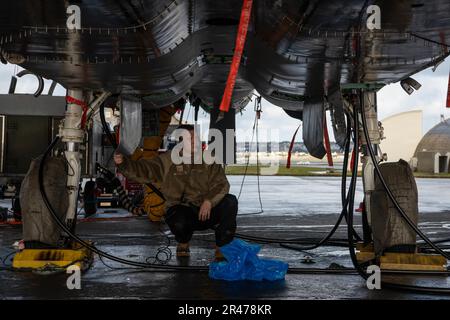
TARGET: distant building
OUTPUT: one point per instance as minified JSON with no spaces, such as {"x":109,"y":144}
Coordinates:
{"x":283,"y":146}
{"x":432,"y":154}
{"x":403,"y":132}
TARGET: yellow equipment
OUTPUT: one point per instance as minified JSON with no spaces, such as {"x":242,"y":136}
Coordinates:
{"x":401,"y":261}
{"x":152,"y":204}
{"x":36,"y":259}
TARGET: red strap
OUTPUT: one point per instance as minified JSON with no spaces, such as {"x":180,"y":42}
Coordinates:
{"x":327,"y":143}
{"x":448,"y":92}
{"x":352,"y":161}
{"x":288,"y":162}
{"x":239,"y":48}
{"x":83,"y":106}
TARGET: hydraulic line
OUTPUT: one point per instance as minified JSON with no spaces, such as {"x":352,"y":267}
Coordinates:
{"x":344,"y":198}
{"x":351,"y":198}
{"x":297,"y":241}
{"x":285,"y":241}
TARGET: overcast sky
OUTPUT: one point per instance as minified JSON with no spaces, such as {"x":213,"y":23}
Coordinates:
{"x":431,"y":99}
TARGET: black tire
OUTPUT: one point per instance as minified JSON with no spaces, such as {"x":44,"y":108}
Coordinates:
{"x":3,"y":214}
{"x":17,"y":211}
{"x":90,"y":198}
{"x":138,"y":198}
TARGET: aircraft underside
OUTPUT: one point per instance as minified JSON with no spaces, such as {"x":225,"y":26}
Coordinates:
{"x":298,"y":54}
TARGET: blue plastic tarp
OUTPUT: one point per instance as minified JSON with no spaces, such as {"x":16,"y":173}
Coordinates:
{"x":242,"y":263}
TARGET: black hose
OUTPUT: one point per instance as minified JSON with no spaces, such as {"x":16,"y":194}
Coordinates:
{"x":344,"y":197}
{"x":52,"y":88}
{"x":105,"y":127}
{"x":351,"y":200}
{"x":281,"y":241}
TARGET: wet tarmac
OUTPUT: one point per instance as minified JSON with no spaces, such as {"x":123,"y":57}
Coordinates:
{"x":304,"y":207}
{"x":284,"y":195}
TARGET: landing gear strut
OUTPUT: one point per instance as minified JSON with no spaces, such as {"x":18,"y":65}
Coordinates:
{"x":72,"y":134}
{"x":394,"y":240}
{"x":54,"y":254}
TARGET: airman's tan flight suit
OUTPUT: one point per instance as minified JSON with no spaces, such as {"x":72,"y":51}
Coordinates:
{"x":185,"y":187}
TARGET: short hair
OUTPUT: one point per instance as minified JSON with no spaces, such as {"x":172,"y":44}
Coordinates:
{"x":188,"y":127}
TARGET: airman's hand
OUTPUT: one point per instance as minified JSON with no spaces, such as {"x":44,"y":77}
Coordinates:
{"x":205,"y":211}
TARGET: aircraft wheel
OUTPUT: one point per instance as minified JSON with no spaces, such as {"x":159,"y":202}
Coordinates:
{"x":90,"y":198}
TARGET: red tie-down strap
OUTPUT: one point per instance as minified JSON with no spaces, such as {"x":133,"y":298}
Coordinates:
{"x":118,"y":134}
{"x":327,"y":142}
{"x":83,"y":106}
{"x":239,"y":48}
{"x":448,"y":92}
{"x":288,"y":162}
{"x":352,"y":160}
